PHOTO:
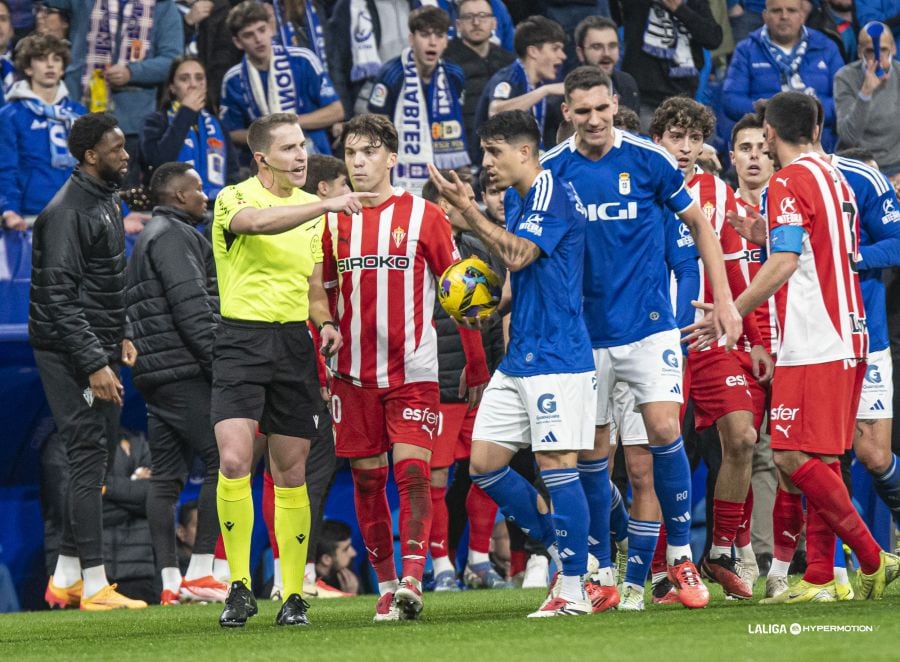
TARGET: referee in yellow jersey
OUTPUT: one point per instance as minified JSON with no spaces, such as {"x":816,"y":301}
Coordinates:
{"x":267,"y":243}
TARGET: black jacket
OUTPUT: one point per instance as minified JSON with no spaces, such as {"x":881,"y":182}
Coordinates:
{"x":451,"y":358}
{"x":173,"y":301}
{"x":78,"y":275}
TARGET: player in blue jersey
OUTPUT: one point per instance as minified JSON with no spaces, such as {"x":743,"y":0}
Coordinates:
{"x":630,"y":187}
{"x":542,"y":394}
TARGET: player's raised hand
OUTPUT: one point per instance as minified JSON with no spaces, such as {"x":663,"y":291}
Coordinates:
{"x":453,"y":190}
{"x":751,"y":227}
{"x":349,"y":203}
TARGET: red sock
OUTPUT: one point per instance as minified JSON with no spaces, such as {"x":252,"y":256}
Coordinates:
{"x":727,"y":516}
{"x":413,"y":477}
{"x":374,"y":517}
{"x":787,"y":524}
{"x":220,"y":549}
{"x":440,"y":520}
{"x":482,"y":512}
{"x":820,"y":541}
{"x":743,"y":533}
{"x":659,"y":563}
{"x":268,"y":510}
{"x":518,"y":559}
{"x":825,"y":491}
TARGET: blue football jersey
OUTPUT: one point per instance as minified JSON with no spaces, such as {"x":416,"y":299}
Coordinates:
{"x":629,"y":195}
{"x":879,"y":241}
{"x":547,"y":334}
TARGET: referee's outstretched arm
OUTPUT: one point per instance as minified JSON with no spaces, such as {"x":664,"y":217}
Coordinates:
{"x":276,"y":220}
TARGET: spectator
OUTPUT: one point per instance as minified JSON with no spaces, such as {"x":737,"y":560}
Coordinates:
{"x":272,"y":78}
{"x":118,"y":61}
{"x":783,"y":55}
{"x":299,"y":23}
{"x":420,"y":92}
{"x":34,"y":129}
{"x":206,"y":36}
{"x":866,"y":104}
{"x":886,"y":11}
{"x":745,"y":16}
{"x":597,"y":43}
{"x":569,"y":13}
{"x":52,"y":20}
{"x":479,"y":57}
{"x":185,"y":130}
{"x":526,"y":83}
{"x":664,"y":42}
{"x":7,"y":68}
{"x":22,"y":12}
{"x":834,"y":19}
{"x":334,"y":555}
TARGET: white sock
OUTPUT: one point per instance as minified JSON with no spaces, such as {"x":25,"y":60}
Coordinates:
{"x":571,"y":587}
{"x":442,"y":564}
{"x":633,"y":587}
{"x":277,"y":579}
{"x":604,"y":576}
{"x":388,"y":587}
{"x":840,"y":576}
{"x":68,"y":571}
{"x":746,"y":553}
{"x":201,"y":565}
{"x":675,"y":552}
{"x":171,"y":579}
{"x":553,"y":551}
{"x":94,"y":580}
{"x":779,"y":568}
{"x":309,"y":574}
{"x":478,"y":557}
{"x":715,"y":551}
{"x":221,"y":571}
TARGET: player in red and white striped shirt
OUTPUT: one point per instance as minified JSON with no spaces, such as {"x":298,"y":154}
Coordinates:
{"x":383,"y":264}
{"x":812,"y":246}
{"x":724,"y":386}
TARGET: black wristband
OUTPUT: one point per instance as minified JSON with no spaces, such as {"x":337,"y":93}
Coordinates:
{"x":328,"y":323}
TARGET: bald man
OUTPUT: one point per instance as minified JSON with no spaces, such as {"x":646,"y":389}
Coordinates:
{"x":866,"y":101}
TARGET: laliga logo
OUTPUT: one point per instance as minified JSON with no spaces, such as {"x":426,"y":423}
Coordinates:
{"x":872,"y":375}
{"x":546,"y":404}
{"x":670,"y":358}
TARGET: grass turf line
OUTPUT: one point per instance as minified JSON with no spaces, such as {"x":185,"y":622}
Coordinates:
{"x":465,"y":627}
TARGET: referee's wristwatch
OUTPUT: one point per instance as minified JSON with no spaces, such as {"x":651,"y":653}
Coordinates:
{"x":328,"y":323}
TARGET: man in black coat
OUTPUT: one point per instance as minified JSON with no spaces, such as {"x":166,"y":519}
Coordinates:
{"x":173,"y":307}
{"x":76,"y":325}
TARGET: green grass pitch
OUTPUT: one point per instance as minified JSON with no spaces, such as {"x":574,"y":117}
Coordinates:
{"x":464,"y":627}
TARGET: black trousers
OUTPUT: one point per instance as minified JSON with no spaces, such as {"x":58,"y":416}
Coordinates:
{"x":90,"y":433}
{"x":321,"y":466}
{"x":179,"y":426}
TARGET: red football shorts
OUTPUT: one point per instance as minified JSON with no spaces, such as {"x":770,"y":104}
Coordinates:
{"x":368,"y":421}
{"x":814,"y":406}
{"x":454,"y":440}
{"x":720,"y":384}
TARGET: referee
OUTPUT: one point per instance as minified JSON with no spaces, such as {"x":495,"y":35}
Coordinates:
{"x":267,"y":246}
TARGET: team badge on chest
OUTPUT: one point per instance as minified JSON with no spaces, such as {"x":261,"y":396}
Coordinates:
{"x":624,"y":183}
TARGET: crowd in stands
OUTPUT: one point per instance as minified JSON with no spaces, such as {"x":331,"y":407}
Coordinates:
{"x":186,"y":78}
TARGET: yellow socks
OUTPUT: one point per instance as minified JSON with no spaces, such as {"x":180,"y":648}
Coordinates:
{"x":235,"y":506}
{"x":292,"y":521}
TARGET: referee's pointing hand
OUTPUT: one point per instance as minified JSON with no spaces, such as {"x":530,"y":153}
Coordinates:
{"x":349,"y":203}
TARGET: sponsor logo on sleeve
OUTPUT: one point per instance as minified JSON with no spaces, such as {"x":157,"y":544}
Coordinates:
{"x":532,"y":225}
{"x":889,"y":212}
{"x":789,"y":214}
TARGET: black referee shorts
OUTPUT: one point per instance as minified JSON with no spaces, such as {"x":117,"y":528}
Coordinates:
{"x":267,"y":372}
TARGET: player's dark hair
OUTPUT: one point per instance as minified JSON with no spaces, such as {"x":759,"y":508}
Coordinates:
{"x":429,"y":18}
{"x":627,"y":120}
{"x":593,"y":23}
{"x":857,"y":154}
{"x":537,"y":31}
{"x":40,"y":45}
{"x":820,"y":115}
{"x":245,"y":14}
{"x":683,"y":113}
{"x":163,"y":178}
{"x":331,"y":533}
{"x":259,"y":136}
{"x":748,"y":121}
{"x":511,"y":126}
{"x":322,"y":168}
{"x":793,"y":115}
{"x":87,"y":131}
{"x":377,"y":128}
{"x":586,"y":77}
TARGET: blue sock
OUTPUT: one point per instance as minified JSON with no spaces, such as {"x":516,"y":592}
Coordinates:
{"x":840,"y":560}
{"x":887,"y":485}
{"x":570,"y":517}
{"x":642,"y":537}
{"x":672,"y":479}
{"x":618,"y":516}
{"x":517,"y":499}
{"x":594,"y":476}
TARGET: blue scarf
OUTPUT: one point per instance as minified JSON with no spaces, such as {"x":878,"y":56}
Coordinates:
{"x":204,"y":149}
{"x":280,"y":93}
{"x":59,"y":120}
{"x":286,"y":35}
{"x":788,"y":64}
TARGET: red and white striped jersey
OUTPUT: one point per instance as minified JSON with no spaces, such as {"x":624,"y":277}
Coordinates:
{"x":766,"y":320}
{"x":385,"y":262}
{"x":820,"y":308}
